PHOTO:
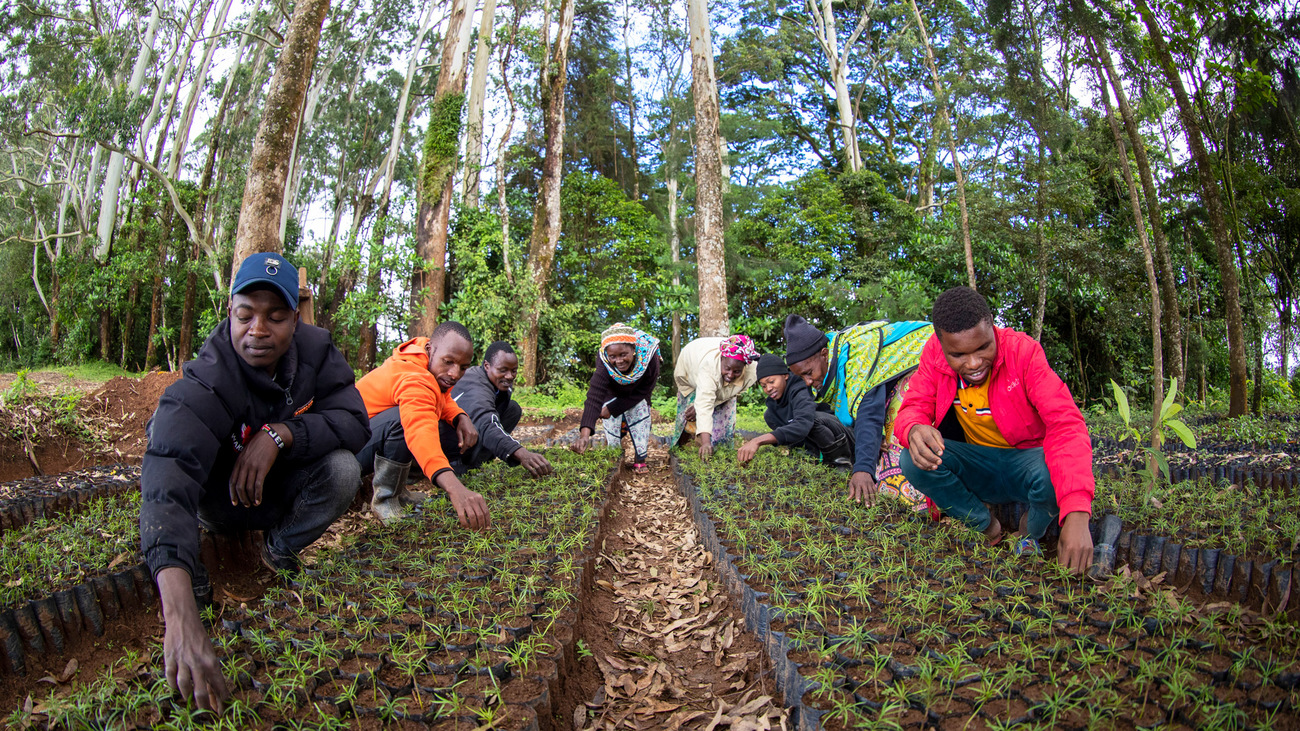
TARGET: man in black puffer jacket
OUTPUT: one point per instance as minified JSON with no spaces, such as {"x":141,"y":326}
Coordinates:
{"x":484,"y":394}
{"x":259,"y":434}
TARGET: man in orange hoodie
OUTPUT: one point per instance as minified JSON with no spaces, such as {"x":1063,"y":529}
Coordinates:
{"x":406,"y":398}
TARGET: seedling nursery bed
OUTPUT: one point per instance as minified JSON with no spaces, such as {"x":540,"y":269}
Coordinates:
{"x":421,"y":624}
{"x":872,"y":616}
{"x":876,"y":617}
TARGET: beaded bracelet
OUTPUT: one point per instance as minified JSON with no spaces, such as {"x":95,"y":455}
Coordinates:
{"x":271,"y":432}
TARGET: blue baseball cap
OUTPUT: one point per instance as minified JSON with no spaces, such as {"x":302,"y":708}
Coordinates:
{"x":268,"y":268}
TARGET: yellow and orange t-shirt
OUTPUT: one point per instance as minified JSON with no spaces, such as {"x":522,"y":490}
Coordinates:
{"x":975,"y":416}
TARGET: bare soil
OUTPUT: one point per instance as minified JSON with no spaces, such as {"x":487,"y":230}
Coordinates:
{"x":114,"y":413}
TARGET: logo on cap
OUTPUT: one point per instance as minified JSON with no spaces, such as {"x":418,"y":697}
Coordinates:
{"x":273,"y":266}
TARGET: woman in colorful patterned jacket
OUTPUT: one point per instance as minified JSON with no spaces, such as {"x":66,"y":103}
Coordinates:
{"x":709,"y":374}
{"x":862,"y":372}
{"x":620,"y":390}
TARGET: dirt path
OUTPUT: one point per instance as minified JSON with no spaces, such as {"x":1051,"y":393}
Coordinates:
{"x":663,"y":646}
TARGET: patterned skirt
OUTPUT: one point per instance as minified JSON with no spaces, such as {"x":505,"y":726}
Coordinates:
{"x":635,"y":422}
{"x":889,"y":475}
{"x":724,"y":420}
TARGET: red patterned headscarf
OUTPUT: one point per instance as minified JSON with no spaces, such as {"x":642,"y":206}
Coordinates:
{"x":739,"y":347}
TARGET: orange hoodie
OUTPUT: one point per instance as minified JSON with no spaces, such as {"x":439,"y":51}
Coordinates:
{"x":404,"y":381}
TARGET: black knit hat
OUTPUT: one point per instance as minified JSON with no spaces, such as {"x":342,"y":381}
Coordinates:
{"x":770,"y":364}
{"x":802,"y":340}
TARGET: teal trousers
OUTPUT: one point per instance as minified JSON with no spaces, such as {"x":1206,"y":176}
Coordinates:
{"x":971,"y":476}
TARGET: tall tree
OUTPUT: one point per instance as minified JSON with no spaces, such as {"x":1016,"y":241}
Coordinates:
{"x":546,"y":212}
{"x":268,"y":166}
{"x":949,"y":124}
{"x":477,"y":93}
{"x":1223,"y":249}
{"x":437,"y":166}
{"x":837,"y":58}
{"x":1139,"y":225}
{"x":1173,"y":319}
{"x":710,"y":253}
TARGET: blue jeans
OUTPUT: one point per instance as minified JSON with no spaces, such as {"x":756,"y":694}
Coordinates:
{"x":298,"y":503}
{"x":972,"y":475}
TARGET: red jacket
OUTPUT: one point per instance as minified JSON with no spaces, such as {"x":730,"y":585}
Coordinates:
{"x":1031,"y":406}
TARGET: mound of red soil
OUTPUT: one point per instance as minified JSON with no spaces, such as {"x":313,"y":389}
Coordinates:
{"x":124,"y":405}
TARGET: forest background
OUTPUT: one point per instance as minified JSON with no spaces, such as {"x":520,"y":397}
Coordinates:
{"x":1122,"y":181}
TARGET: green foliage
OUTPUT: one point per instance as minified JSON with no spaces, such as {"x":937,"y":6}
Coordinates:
{"x":1150,"y":443}
{"x":440,"y":155}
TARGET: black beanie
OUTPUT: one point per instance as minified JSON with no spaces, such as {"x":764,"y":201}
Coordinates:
{"x":770,"y":364}
{"x":802,"y":340}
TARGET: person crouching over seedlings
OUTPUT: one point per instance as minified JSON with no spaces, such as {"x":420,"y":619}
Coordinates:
{"x":795,"y":420}
{"x":710,"y":374}
{"x":484,"y":394}
{"x":619,"y":392}
{"x":258,"y":434}
{"x":408,"y":399}
{"x":1026,"y":440}
{"x":861,"y":373}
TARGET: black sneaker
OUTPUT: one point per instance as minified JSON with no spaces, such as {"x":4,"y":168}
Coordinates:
{"x":280,"y":563}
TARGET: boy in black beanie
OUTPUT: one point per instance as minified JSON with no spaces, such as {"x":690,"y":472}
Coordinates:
{"x":794,"y":419}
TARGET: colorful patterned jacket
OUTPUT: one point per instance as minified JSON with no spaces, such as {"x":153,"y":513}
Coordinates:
{"x":865,"y":360}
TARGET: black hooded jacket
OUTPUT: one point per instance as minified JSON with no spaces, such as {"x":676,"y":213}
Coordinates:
{"x":793,"y":413}
{"x":204,"y":419}
{"x":484,"y":404}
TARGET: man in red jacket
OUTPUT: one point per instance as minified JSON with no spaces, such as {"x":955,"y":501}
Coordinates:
{"x":1026,"y":440}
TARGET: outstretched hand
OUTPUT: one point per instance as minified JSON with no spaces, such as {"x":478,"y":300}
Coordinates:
{"x":862,"y":488}
{"x":925,"y":444}
{"x":1074,"y":550}
{"x":191,"y":665}
{"x":465,"y":432}
{"x":535,"y":463}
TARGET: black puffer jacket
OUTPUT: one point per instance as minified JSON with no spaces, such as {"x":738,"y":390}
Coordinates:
{"x":484,"y":404}
{"x":205,"y":418}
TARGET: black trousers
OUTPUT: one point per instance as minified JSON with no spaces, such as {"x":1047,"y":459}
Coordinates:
{"x":298,"y":504}
{"x":387,"y":440}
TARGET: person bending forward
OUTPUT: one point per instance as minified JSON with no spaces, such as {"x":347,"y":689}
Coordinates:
{"x":407,"y":398}
{"x":484,"y":394}
{"x":1026,"y":440}
{"x":258,"y":434}
{"x":709,"y":374}
{"x":795,"y":420}
{"x":619,"y":392}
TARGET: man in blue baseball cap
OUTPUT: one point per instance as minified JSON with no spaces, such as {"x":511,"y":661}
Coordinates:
{"x":260,"y":433}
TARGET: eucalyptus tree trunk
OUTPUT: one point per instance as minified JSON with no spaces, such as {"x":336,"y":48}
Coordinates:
{"x":268,"y":166}
{"x":116,"y":161}
{"x":182,"y":138}
{"x":1040,"y":215}
{"x":311,"y":109}
{"x":949,"y":128}
{"x":546,"y":212}
{"x":674,"y":248}
{"x":710,"y":254}
{"x":1139,"y":223}
{"x":631,"y":103}
{"x":437,"y":166}
{"x":474,"y":116}
{"x":1173,"y":319}
{"x":837,"y":58}
{"x":164,"y":83}
{"x":503,"y":209}
{"x":1237,"y":372}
